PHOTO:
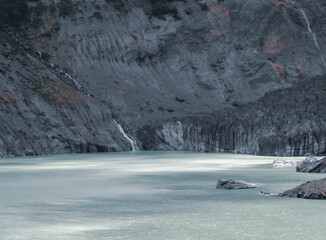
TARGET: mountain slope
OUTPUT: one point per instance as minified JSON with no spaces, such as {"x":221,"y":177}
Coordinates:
{"x":43,"y":112}
{"x":152,"y":63}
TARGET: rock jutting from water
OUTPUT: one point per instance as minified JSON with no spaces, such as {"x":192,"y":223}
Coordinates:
{"x":309,"y":190}
{"x":312,"y":165}
{"x":265,"y":193}
{"x":234,"y":184}
{"x":279,"y":163}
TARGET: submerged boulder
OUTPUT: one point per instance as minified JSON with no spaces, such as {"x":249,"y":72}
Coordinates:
{"x":234,"y":184}
{"x":312,"y":165}
{"x":309,"y":190}
{"x":265,"y":193}
{"x":279,"y":163}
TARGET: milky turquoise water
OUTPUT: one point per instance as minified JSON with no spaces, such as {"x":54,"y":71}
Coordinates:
{"x":153,"y":195}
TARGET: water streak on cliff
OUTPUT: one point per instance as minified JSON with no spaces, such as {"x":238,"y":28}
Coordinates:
{"x":133,"y":143}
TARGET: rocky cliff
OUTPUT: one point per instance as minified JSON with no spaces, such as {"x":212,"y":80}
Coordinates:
{"x":204,"y":75}
{"x":287,"y":122}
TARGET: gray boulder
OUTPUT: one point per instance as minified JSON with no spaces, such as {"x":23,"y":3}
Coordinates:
{"x":312,"y":165}
{"x":234,"y":184}
{"x":309,"y":190}
{"x":279,"y":163}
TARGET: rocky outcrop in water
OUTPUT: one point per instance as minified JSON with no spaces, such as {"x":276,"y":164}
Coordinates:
{"x":309,"y":190}
{"x":312,"y":165}
{"x":279,"y":163}
{"x":234,"y":184}
{"x":265,"y":193}
{"x":203,"y":75}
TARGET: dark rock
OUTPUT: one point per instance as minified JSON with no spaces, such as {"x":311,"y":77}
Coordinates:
{"x":45,"y":56}
{"x":97,"y":15}
{"x":236,"y":104}
{"x":312,"y":165}
{"x":234,"y":184}
{"x":181,"y":100}
{"x":309,"y":190}
{"x":265,"y":193}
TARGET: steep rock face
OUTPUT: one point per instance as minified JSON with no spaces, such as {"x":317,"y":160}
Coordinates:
{"x":42,"y":111}
{"x":181,"y":74}
{"x":286,"y":122}
{"x":160,"y":59}
{"x":312,"y":165}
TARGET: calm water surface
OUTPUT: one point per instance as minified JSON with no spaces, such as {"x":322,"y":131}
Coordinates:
{"x":153,"y":195}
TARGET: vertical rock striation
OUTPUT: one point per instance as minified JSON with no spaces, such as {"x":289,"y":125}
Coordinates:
{"x":206,"y":75}
{"x":287,"y":122}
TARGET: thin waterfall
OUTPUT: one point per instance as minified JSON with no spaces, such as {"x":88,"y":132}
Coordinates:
{"x":313,"y":35}
{"x":77,"y":84}
{"x":133,"y":143}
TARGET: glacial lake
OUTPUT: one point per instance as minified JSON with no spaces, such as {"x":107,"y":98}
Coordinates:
{"x":153,"y":195}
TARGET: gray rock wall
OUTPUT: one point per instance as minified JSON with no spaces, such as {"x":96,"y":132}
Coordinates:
{"x":43,"y":112}
{"x":286,"y":122}
{"x":211,"y":65}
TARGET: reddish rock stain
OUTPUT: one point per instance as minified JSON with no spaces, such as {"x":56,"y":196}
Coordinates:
{"x":284,"y":11}
{"x":273,"y":45}
{"x":215,"y":32}
{"x":302,"y":63}
{"x":82,"y":129}
{"x":278,"y":68}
